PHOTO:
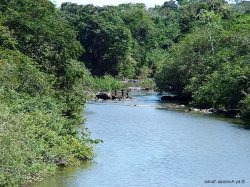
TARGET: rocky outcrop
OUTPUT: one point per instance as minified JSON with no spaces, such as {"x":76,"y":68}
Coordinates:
{"x":104,"y":95}
{"x":112,"y":96}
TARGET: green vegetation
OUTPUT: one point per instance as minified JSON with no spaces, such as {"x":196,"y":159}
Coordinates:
{"x":198,"y":50}
{"x":41,"y":93}
{"x":122,"y":41}
{"x":107,"y":84}
{"x":209,"y":66}
{"x":51,"y":59}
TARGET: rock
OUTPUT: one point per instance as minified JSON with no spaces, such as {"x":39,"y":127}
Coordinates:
{"x":212,"y":110}
{"x":104,"y":95}
{"x":219,"y":111}
{"x":135,"y":89}
{"x":206,"y":111}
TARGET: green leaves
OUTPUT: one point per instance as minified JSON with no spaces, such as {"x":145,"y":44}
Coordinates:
{"x":107,"y":41}
{"x":246,"y":110}
{"x":211,"y":63}
{"x":41,"y":35}
{"x":6,"y":38}
{"x":118,"y":40}
{"x":35,"y":134}
{"x":107,"y":83}
{"x":42,"y":92}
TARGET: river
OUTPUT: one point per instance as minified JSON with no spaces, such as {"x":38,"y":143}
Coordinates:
{"x":148,"y":146}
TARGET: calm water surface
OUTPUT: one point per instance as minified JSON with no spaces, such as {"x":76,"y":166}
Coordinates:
{"x":148,"y":146}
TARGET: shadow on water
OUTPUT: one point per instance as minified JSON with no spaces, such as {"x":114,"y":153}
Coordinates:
{"x":65,"y":176}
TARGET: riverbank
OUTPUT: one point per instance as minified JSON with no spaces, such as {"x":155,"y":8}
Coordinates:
{"x":177,"y":103}
{"x":169,"y":105}
{"x":171,"y":102}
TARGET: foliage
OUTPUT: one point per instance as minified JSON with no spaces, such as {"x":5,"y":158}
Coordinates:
{"x":148,"y":83}
{"x":118,"y":40}
{"x":103,"y":35}
{"x":107,"y":83}
{"x":42,"y":93}
{"x":210,"y":64}
{"x":246,"y":111}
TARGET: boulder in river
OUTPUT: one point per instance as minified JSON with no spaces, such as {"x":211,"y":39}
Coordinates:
{"x":104,"y":95}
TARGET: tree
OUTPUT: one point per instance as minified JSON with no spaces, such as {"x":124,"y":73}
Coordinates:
{"x":170,"y":4}
{"x":182,"y":2}
{"x":104,"y":36}
{"x":36,"y":27}
{"x":195,"y":65}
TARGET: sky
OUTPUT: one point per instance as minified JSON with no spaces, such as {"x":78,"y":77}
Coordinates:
{"x":149,"y":3}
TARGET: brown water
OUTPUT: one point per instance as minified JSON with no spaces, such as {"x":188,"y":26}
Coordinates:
{"x":147,"y":146}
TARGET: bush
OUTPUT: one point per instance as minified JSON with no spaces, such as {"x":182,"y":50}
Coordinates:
{"x":37,"y":127}
{"x":246,"y":111}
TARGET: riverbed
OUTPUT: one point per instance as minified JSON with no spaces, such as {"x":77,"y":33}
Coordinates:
{"x":147,"y":145}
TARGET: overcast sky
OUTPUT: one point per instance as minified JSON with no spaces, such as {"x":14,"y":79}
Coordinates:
{"x":149,"y":3}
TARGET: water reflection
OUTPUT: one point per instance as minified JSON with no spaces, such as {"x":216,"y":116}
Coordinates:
{"x":65,"y":177}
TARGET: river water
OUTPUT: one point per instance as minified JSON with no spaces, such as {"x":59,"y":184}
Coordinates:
{"x":146,"y":145}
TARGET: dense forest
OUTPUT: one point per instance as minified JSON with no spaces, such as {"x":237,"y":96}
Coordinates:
{"x":198,"y":50}
{"x":52,"y":58}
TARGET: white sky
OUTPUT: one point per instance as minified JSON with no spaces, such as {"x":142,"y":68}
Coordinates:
{"x":148,"y":3}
